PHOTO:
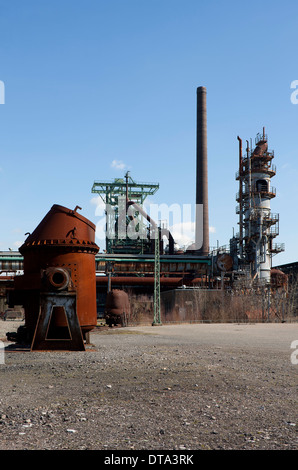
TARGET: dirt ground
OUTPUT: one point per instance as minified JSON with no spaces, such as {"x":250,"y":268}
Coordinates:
{"x":170,"y":387}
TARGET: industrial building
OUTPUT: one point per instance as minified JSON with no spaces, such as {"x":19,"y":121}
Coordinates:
{"x":148,"y":266}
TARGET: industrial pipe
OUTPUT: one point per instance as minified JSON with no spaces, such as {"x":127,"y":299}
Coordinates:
{"x":154,"y":225}
{"x":240,"y":198}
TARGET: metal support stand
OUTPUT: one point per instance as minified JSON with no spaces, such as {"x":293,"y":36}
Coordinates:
{"x":156,"y":318}
{"x":42,"y":340}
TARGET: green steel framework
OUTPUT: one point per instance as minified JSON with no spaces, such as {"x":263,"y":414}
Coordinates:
{"x":111,"y":194}
{"x":129,"y":190}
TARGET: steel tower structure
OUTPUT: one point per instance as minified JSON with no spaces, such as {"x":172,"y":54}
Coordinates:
{"x":115,"y":195}
{"x":258,"y":226}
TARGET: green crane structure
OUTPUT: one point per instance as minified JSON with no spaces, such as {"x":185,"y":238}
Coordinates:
{"x":114,"y":194}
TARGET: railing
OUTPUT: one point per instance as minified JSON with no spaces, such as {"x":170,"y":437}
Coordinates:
{"x":278,"y":247}
{"x":269,"y":192}
{"x":219,"y":250}
{"x":274,"y":230}
{"x":267,"y":217}
{"x":272,"y":218}
{"x":261,"y":138}
{"x":270,"y":170}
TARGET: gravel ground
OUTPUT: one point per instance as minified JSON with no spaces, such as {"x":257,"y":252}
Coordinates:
{"x":170,"y":387}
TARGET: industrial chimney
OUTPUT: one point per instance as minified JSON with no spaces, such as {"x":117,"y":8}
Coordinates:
{"x":202,"y":213}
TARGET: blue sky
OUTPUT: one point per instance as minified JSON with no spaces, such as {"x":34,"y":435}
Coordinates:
{"x":89,"y":83}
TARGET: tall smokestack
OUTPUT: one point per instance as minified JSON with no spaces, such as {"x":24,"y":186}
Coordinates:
{"x":202,"y":233}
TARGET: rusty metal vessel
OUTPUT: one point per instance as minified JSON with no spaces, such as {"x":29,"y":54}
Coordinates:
{"x":117,"y":308}
{"x":59,"y":259}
